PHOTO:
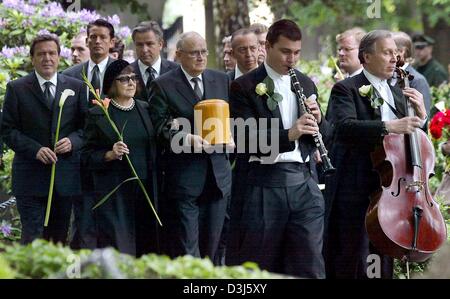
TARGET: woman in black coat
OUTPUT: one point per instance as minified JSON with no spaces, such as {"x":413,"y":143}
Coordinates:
{"x":125,"y":221}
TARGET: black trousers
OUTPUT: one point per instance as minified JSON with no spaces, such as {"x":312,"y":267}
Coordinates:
{"x":193,"y":224}
{"x":348,"y":246}
{"x":83,"y":226}
{"x":281,"y":229}
{"x":32,"y":217}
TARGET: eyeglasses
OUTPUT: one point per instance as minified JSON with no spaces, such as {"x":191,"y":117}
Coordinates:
{"x":194,"y":54}
{"x":126,"y":79}
{"x":420,"y":47}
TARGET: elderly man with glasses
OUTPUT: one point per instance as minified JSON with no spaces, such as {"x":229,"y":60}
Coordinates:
{"x":198,"y":182}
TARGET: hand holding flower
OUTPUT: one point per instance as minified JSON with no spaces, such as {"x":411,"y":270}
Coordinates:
{"x":118,"y":150}
{"x":46,"y":155}
{"x":63,"y":146}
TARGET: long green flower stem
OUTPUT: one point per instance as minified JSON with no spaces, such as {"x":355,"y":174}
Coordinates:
{"x":52,"y":176}
{"x":120,"y":136}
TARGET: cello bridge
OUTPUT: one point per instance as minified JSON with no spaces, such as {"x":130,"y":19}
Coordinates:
{"x":416,"y":186}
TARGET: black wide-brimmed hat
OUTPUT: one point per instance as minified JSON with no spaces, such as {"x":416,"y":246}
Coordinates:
{"x":112,"y":72}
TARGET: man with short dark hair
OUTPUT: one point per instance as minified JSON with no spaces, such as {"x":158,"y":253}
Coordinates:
{"x":280,"y":221}
{"x":148,"y":40}
{"x":360,"y":123}
{"x":30,"y":114}
{"x":100,"y":38}
{"x":80,"y":51}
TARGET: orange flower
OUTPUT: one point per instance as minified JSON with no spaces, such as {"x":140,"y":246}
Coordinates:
{"x":106,"y":102}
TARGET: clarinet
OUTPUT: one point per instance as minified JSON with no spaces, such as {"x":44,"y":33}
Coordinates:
{"x":327,"y":166}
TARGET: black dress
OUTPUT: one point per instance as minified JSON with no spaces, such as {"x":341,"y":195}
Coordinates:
{"x":125,"y":221}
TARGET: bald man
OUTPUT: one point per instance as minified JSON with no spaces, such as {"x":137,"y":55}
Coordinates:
{"x":198,"y":182}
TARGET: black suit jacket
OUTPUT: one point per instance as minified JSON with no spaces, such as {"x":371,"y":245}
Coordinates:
{"x":29,"y":123}
{"x":100,"y":138}
{"x":246,"y":104}
{"x":231,"y":74}
{"x":172,"y":97}
{"x":166,"y":66}
{"x":357,"y":131}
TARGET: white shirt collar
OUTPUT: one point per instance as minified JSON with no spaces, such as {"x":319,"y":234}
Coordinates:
{"x":356,"y":72}
{"x":274,"y":75}
{"x":237,"y":72}
{"x":41,"y":79}
{"x":156,"y":66}
{"x":189,"y":77}
{"x":374,"y":80}
{"x":101,"y":66}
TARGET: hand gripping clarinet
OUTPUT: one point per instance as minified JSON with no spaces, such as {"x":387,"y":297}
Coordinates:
{"x":327,"y":167}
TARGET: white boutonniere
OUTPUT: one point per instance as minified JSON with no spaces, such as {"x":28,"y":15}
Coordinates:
{"x":267,"y":87}
{"x":370,"y":92}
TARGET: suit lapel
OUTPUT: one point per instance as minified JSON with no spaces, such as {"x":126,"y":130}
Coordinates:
{"x":60,"y":86}
{"x":145,"y":116}
{"x":33,"y":85}
{"x":260,"y":75}
{"x":208,"y":85}
{"x":184,"y":88}
{"x":399,"y":100}
{"x":164,"y":67}
{"x":137,"y":71}
{"x":361,"y":80}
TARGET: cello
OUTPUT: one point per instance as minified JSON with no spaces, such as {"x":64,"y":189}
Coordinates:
{"x":403,"y":221}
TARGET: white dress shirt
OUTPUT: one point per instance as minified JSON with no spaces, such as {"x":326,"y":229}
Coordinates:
{"x":53,"y":80}
{"x":385,"y":92}
{"x":101,"y":67}
{"x":237,"y":72}
{"x":143,"y":69}
{"x":189,"y":78}
{"x":289,"y":114}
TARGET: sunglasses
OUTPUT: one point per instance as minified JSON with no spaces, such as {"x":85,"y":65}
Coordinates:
{"x":420,"y":47}
{"x":126,"y":79}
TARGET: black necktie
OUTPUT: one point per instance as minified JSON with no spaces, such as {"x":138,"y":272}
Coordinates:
{"x":48,"y":94}
{"x":151,"y":76}
{"x":95,"y":81}
{"x":197,"y":90}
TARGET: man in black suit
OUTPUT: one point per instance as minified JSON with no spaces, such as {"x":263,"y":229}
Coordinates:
{"x":30,"y":116}
{"x":197,"y":182}
{"x":100,"y":38}
{"x":359,"y":126}
{"x":244,"y":49}
{"x":148,"y":41}
{"x":281,"y":214}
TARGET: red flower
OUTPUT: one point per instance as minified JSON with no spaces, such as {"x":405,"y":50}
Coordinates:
{"x":438,"y":122}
